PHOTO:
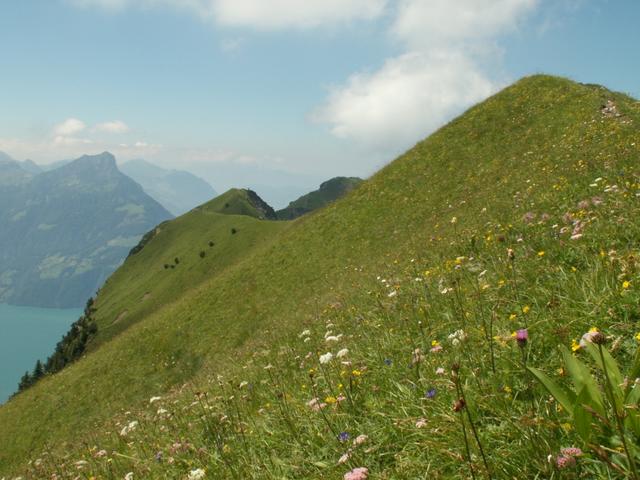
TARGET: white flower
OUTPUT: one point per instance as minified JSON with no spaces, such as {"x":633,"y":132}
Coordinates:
{"x":344,"y":458}
{"x":360,"y":439}
{"x":457,"y":337}
{"x":128,"y":476}
{"x":392,"y":294}
{"x":243,"y":384}
{"x":161,"y":411}
{"x":130,"y":427}
{"x":197,"y":474}
{"x":333,"y":338}
{"x":439,"y":371}
{"x":154,"y":399}
{"x":421,"y":423}
{"x":306,"y":333}
{"x":326,"y":358}
{"x":342,"y":353}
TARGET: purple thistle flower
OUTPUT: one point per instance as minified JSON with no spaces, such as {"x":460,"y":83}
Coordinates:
{"x":521,"y":337}
{"x":344,"y":436}
{"x":388,"y":362}
{"x":430,"y":393}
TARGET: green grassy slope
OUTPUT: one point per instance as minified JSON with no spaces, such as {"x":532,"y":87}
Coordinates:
{"x":508,"y":171}
{"x":329,"y":191}
{"x":151,"y":278}
{"x":240,"y":202}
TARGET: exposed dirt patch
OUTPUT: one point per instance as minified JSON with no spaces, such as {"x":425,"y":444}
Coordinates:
{"x":146,"y":296}
{"x":121,"y":316}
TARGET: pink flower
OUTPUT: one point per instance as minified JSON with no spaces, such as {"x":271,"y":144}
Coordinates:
{"x":521,"y":337}
{"x":564,"y":461}
{"x":315,"y":404}
{"x":571,"y":452}
{"x":421,"y":423}
{"x":436,"y":348}
{"x":360,"y":473}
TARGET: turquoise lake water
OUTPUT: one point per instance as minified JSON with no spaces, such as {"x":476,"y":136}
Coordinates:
{"x":26,"y":335}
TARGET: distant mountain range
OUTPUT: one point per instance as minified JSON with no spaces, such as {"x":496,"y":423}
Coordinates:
{"x":66,"y":230}
{"x":178,"y":191}
{"x":69,"y":225}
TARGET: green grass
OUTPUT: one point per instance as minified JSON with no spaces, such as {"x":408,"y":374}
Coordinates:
{"x":329,"y":191}
{"x":204,"y":244}
{"x":509,"y":170}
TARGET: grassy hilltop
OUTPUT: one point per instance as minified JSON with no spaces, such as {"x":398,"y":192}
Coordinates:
{"x":377,"y":333}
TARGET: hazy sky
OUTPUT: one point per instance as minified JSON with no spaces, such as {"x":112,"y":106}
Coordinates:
{"x":282,"y":91}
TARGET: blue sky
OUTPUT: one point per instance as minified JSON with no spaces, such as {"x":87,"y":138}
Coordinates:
{"x":282,"y":92}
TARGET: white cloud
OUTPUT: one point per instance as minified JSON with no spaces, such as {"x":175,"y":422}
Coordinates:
{"x":279,"y":14}
{"x":70,"y":126}
{"x":446,"y":44}
{"x":259,"y":14}
{"x":115,"y":126}
{"x":408,"y":97}
{"x":427,"y":24}
{"x":61,"y":140}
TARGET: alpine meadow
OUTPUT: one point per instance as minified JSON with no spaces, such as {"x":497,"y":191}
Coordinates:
{"x":469,"y":311}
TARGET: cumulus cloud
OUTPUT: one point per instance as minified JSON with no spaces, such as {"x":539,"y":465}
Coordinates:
{"x":70,"y":126}
{"x":115,"y":126}
{"x":427,"y":24}
{"x":408,"y":96}
{"x":258,"y":14}
{"x":278,"y":14}
{"x":446,"y":44}
{"x":446,"y":48}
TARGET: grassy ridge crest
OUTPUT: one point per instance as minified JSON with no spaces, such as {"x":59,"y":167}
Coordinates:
{"x":465,"y":194}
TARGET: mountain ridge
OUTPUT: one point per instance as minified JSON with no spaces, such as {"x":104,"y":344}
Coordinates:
{"x":378,"y":274}
{"x":70,"y":228}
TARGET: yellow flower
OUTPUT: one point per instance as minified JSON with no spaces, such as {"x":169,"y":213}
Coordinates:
{"x":459,"y":260}
{"x":507,"y":389}
{"x":541,"y":253}
{"x":575,"y":346}
{"x":626,"y":284}
{"x":226,"y":448}
{"x":454,"y":220}
{"x":593,"y":330}
{"x":637,"y":337}
{"x":330,"y":400}
{"x":356,"y":373}
{"x":526,"y":309}
{"x":574,"y":269}
{"x":512,"y":316}
{"x":567,"y":427}
{"x":435,"y":343}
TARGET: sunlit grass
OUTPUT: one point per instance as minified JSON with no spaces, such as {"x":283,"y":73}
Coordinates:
{"x":383,"y":336}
